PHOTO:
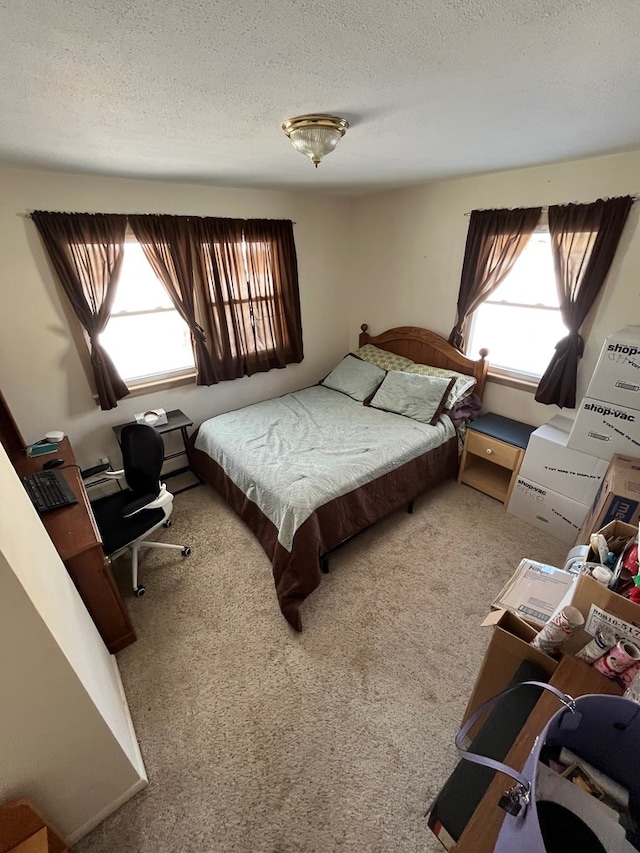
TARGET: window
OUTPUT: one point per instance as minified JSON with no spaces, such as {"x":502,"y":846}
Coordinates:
{"x":159,"y":319}
{"x":250,"y":305}
{"x":520,"y":323}
{"x":146,"y":337}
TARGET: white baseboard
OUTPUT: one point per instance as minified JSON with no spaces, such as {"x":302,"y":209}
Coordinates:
{"x":106,"y":811}
{"x":138,"y":765}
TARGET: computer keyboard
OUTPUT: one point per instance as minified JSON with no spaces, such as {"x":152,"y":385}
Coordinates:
{"x":48,"y":490}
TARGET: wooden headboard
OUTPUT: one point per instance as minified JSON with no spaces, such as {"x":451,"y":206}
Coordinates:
{"x":426,"y":347}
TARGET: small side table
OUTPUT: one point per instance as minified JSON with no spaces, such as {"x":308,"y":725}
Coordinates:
{"x":176,"y":420}
{"x":494,"y":447}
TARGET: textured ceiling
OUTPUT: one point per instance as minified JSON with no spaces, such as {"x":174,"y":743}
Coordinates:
{"x":196,"y":90}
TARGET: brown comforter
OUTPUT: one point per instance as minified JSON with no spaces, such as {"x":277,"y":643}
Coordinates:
{"x":297,"y":573}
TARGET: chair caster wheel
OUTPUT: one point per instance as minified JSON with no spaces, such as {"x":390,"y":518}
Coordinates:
{"x":167,"y":523}
{"x":186,"y":552}
{"x":139,"y":591}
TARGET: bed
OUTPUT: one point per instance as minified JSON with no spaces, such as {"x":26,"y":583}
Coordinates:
{"x":309,"y":470}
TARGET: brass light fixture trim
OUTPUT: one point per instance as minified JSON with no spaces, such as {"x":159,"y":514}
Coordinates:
{"x":315,"y":135}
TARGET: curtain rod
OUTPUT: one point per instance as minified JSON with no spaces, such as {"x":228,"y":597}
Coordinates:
{"x":545,"y":208}
{"x":293,"y":221}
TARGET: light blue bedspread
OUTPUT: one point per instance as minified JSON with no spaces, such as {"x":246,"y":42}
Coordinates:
{"x":293,"y":454}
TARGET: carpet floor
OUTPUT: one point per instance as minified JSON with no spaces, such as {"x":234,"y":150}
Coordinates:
{"x":260,"y":740}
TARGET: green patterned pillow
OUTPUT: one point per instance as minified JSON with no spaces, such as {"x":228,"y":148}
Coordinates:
{"x":463,"y":387}
{"x":419,"y":397}
{"x":354,"y":377}
{"x":382,"y":358}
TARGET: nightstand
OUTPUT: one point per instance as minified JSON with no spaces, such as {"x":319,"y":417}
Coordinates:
{"x":493,"y":450}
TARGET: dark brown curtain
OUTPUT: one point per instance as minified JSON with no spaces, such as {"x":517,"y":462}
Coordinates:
{"x":494,"y":242}
{"x":252,"y":317}
{"x":86,"y":251}
{"x":167,"y":244}
{"x":584,"y":238}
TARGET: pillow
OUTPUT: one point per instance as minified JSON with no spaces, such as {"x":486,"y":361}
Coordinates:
{"x":463,"y":385}
{"x":385,"y":360}
{"x":419,"y":397}
{"x":354,"y":377}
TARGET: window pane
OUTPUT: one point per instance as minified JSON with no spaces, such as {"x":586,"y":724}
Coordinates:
{"x":520,"y":339}
{"x":531,"y":280}
{"x":139,"y":289}
{"x":148,"y":344}
{"x":247,"y":291}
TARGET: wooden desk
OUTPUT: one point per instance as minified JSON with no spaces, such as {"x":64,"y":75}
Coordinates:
{"x":77,"y":540}
{"x":572,"y":676}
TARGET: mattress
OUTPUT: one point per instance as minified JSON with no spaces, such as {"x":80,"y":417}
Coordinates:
{"x":318,"y":461}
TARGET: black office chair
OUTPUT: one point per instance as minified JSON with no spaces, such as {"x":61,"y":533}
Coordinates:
{"x":127,"y":517}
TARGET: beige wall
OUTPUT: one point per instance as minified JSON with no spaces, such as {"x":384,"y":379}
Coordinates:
{"x":409,"y":246}
{"x":40,"y":372}
{"x":66,"y":739}
{"x":385,"y":259}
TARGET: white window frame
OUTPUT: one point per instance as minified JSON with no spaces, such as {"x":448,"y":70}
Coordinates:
{"x":528,"y":381}
{"x":166,"y":378}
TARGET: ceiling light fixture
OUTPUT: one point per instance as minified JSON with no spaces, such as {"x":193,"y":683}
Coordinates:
{"x":315,"y":135}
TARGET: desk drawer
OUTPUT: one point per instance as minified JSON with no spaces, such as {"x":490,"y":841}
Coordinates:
{"x":492,"y":449}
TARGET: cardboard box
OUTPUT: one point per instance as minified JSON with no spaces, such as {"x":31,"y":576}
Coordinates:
{"x":603,"y":429}
{"x":556,"y":514}
{"x":616,"y":378}
{"x":534,"y":591}
{"x":587,"y":592}
{"x":508,"y":647}
{"x":614,"y":532}
{"x":549,"y":462}
{"x":617,"y":499}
